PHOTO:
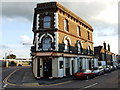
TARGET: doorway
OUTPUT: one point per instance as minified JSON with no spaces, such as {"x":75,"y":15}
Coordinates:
{"x":90,"y":65}
{"x":47,"y":67}
{"x":72,"y":67}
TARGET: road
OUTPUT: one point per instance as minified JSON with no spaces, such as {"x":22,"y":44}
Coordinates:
{"x":8,"y":71}
{"x":108,"y":80}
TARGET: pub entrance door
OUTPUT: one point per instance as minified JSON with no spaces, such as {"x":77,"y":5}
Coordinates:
{"x":47,"y":67}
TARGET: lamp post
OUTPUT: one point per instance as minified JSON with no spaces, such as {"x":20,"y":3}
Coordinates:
{"x":7,"y":62}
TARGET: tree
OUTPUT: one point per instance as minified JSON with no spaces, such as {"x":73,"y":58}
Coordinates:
{"x":11,"y":56}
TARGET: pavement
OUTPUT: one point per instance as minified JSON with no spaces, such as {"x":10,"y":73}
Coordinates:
{"x":25,"y":76}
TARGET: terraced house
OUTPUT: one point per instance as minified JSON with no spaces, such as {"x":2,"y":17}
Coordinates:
{"x":105,"y":56}
{"x":63,"y":42}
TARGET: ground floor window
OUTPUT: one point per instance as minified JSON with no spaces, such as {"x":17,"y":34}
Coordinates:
{"x":61,"y":64}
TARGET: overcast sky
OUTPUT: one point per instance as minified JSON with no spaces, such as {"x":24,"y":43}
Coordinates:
{"x":17,"y":19}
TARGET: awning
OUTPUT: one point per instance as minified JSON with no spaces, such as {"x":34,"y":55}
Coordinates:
{"x":43,"y":54}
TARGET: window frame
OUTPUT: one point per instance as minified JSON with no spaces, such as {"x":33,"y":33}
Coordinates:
{"x":79,"y":48}
{"x":66,"y":26}
{"x":89,"y":50}
{"x":88,"y":33}
{"x":43,"y":44}
{"x":67,"y":44}
{"x":47,"y":22}
{"x":60,"y":64}
{"x":78,"y":31}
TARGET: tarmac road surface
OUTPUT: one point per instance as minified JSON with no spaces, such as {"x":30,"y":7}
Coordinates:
{"x":22,"y":77}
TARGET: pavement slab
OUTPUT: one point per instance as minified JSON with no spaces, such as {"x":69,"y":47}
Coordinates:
{"x":25,"y":76}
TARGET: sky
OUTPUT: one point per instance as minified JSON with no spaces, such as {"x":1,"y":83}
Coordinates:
{"x":16,"y":21}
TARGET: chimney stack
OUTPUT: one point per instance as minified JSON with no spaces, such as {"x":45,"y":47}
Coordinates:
{"x":104,"y":45}
{"x":108,"y":47}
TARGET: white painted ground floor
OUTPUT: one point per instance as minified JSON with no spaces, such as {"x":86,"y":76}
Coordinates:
{"x":62,"y":66}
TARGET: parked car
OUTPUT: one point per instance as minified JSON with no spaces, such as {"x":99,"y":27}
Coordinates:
{"x":101,"y":70}
{"x":98,"y":70}
{"x":118,"y":66}
{"x":112,"y":68}
{"x":106,"y":69}
{"x":84,"y":74}
{"x":115,"y":67}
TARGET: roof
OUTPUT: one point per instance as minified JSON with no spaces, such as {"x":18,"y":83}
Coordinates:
{"x":97,"y":49}
{"x":58,"y":5}
{"x":100,"y":49}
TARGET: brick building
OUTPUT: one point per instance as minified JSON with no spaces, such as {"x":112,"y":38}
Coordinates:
{"x":63,"y":42}
{"x":118,"y":58}
{"x":104,"y":54}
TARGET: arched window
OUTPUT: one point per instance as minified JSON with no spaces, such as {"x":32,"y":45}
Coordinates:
{"x":46,"y":22}
{"x":78,"y":31}
{"x":89,"y":50}
{"x":66,"y":42}
{"x":79,"y":47}
{"x":88,"y":35}
{"x":46,"y":43}
{"x":66,"y":25}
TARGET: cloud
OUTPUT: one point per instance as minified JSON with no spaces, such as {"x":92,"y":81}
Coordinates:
{"x":105,"y":29}
{"x":102,"y":15}
{"x":90,"y":9}
{"x":19,"y":50}
{"x":85,"y":10}
{"x":4,"y":47}
{"x":18,"y":9}
{"x":26,"y":40}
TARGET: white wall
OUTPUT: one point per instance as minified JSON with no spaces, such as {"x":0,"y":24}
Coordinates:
{"x":95,"y":62}
{"x":41,"y":69}
{"x":54,"y":67}
{"x":103,"y":63}
{"x":75,"y":65}
{"x":87,"y":63}
{"x":35,"y":67}
{"x":60,"y":71}
{"x":70,"y":64}
{"x":64,"y":66}
{"x":83,"y":63}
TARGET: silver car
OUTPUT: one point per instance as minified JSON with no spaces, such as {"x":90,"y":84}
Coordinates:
{"x":98,"y":70}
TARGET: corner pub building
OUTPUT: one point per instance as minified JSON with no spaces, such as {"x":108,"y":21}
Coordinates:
{"x":62,"y":42}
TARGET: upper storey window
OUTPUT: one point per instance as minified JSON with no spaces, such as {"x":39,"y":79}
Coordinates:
{"x":88,"y":35}
{"x":78,"y":31}
{"x":66,"y":25}
{"x":66,"y":45}
{"x":89,"y":50}
{"x":46,"y":22}
{"x":46,"y":43}
{"x":79,"y":47}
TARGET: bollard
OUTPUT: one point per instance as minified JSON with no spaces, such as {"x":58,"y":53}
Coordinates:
{"x":17,"y":63}
{"x":6,"y":63}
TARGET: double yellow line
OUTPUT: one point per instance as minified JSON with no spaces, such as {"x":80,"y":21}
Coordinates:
{"x":36,"y":84}
{"x":6,"y":79}
{"x":29,"y":84}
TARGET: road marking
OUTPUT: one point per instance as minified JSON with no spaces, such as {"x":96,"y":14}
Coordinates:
{"x":47,"y":85}
{"x":91,"y":85}
{"x":8,"y":83}
{"x":5,"y":86}
{"x":57,"y":83}
{"x":6,"y":79}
